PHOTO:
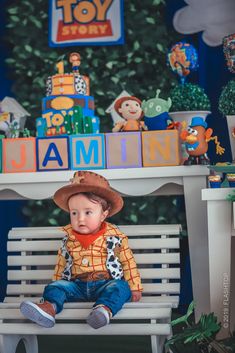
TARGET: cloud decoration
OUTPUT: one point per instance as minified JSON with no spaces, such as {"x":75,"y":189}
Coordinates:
{"x":215,"y":18}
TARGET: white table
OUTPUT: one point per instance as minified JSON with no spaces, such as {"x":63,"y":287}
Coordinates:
{"x":187,"y":180}
{"x":221,"y":263}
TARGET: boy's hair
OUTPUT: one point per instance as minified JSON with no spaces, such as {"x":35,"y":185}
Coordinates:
{"x":93,"y":197}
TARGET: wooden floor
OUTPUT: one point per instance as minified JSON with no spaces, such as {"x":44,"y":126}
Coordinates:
{"x":92,"y":344}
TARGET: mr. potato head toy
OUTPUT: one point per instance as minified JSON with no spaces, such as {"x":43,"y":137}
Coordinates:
{"x":196,"y":139}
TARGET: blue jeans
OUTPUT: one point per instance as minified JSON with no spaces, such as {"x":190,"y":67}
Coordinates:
{"x":111,"y":293}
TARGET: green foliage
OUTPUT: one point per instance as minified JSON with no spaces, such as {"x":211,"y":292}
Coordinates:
{"x":138,"y":66}
{"x":227,"y":99}
{"x":136,"y":210}
{"x":202,"y":334}
{"x":189,"y":97}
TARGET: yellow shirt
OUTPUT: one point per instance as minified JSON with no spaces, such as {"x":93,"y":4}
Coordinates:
{"x":94,"y":257}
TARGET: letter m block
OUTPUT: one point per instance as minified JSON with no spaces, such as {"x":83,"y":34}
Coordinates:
{"x":87,"y":151}
{"x":19,"y":155}
{"x":160,"y":148}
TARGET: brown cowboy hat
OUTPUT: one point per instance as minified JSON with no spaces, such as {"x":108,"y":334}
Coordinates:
{"x":84,"y":181}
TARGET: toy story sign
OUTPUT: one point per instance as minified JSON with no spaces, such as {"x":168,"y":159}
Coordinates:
{"x":82,"y":22}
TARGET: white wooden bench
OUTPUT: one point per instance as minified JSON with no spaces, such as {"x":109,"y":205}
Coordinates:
{"x":31,"y":260}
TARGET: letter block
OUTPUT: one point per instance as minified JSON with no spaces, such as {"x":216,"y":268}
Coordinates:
{"x":52,"y":153}
{"x":87,"y":151}
{"x":19,"y":155}
{"x":160,"y":148}
{"x":123,"y":150}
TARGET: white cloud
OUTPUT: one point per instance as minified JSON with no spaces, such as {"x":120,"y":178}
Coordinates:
{"x":215,"y":18}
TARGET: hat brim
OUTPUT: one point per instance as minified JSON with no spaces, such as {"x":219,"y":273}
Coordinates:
{"x":63,"y":195}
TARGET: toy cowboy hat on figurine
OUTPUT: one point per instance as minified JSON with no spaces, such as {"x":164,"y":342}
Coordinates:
{"x":84,"y":181}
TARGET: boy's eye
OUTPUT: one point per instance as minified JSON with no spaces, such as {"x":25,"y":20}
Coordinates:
{"x":88,"y":212}
{"x":74,"y":213}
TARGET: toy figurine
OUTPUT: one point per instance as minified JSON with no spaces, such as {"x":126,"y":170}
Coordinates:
{"x":129,"y":108}
{"x":75,"y":60}
{"x":196,"y":139}
{"x":156,"y":113}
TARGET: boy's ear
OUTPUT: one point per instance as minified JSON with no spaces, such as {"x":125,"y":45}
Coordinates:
{"x":105,"y":214}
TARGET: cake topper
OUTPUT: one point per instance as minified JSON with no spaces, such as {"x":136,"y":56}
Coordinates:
{"x":75,"y":60}
{"x":129,"y":108}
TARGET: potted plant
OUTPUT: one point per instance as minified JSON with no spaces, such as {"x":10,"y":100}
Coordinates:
{"x":227,"y":108}
{"x":188,"y":100}
{"x":197,"y":337}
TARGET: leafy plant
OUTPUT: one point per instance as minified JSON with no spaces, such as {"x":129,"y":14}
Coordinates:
{"x":227,"y":99}
{"x":189,"y":97}
{"x":231,"y":197}
{"x":201,"y":333}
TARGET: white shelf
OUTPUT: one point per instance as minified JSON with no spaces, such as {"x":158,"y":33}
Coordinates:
{"x":132,"y":181}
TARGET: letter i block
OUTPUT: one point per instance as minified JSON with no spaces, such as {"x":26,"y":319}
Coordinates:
{"x":52,"y":153}
{"x":87,"y":151}
{"x":160,"y":148}
{"x":19,"y":155}
{"x":123,"y":150}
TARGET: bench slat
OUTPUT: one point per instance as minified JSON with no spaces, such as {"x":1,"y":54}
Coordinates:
{"x":146,"y":273}
{"x":133,"y":230}
{"x":84,"y":329}
{"x":155,"y":288}
{"x":54,"y":245}
{"x":77,"y":314}
{"x":151,"y":258}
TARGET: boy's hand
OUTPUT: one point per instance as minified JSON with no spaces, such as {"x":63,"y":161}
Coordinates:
{"x":136,"y":296}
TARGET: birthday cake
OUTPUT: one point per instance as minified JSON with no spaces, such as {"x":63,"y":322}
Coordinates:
{"x":68,"y":107}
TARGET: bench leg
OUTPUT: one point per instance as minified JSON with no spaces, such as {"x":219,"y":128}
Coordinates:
{"x":155,"y":344}
{"x":9,"y":343}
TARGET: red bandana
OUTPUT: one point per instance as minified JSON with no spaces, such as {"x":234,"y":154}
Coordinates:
{"x":87,"y":239}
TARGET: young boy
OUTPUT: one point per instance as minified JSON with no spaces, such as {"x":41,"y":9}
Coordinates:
{"x":94,"y":262}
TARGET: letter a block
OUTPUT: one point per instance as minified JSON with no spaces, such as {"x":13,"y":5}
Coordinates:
{"x":87,"y":151}
{"x":160,"y":148}
{"x":52,"y":153}
{"x":19,"y":155}
{"x":123,"y":150}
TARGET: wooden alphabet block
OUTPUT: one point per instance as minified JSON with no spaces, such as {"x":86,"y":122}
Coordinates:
{"x":19,"y":155}
{"x":123,"y":150}
{"x":52,"y":153}
{"x":87,"y":151}
{"x":160,"y":148}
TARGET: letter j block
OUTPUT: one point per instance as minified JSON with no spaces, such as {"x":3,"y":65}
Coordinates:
{"x":19,"y":155}
{"x":123,"y":150}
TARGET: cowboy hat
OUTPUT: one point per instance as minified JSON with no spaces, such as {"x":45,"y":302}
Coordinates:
{"x":84,"y":181}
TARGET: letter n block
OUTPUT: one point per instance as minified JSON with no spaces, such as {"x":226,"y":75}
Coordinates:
{"x":87,"y":151}
{"x":52,"y":153}
{"x":123,"y":150}
{"x":160,"y":148}
{"x":19,"y":155}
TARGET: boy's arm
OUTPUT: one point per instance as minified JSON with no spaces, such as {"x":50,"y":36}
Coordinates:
{"x":130,"y":271}
{"x":59,"y":268}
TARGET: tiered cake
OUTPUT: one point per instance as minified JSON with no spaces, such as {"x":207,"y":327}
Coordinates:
{"x":68,"y":108}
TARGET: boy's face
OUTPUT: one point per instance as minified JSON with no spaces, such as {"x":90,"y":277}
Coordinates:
{"x":86,"y":216}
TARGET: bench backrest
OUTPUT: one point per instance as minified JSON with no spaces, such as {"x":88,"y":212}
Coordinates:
{"x":32,"y":256}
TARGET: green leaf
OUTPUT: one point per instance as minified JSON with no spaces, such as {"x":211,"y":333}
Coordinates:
{"x":150,"y":20}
